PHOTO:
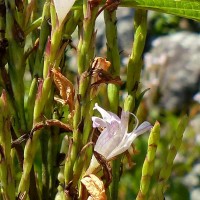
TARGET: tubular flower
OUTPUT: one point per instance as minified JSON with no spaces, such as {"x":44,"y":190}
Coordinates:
{"x":114,"y":139}
{"x":62,"y":8}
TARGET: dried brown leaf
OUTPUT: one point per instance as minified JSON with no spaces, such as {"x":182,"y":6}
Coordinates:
{"x":95,"y":187}
{"x":105,"y":77}
{"x":65,"y":88}
{"x":106,"y":168}
{"x":100,"y":74}
{"x":101,"y":63}
{"x":49,"y":123}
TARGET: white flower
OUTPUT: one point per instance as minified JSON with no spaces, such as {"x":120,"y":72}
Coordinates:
{"x":62,"y":8}
{"x":114,"y":139}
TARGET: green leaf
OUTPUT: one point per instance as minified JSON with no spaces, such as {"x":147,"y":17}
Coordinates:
{"x":184,"y":8}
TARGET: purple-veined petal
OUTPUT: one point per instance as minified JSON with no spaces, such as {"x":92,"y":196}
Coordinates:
{"x":129,"y":138}
{"x":124,"y":121}
{"x":145,"y":126}
{"x":107,"y":116}
{"x":114,"y":116}
{"x":126,"y":141}
{"x":62,"y":8}
{"x":98,"y":122}
{"x":108,"y":140}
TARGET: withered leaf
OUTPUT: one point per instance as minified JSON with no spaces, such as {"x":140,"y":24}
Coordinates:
{"x":106,"y":168}
{"x":100,"y":74}
{"x":112,"y":5}
{"x":101,"y":63}
{"x":106,"y":77}
{"x":95,"y":187}
{"x":65,"y":88}
{"x":49,"y":123}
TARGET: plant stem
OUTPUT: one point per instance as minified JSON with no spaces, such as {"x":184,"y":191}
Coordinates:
{"x":52,"y":155}
{"x":6,"y":168}
{"x":148,"y":165}
{"x":44,"y":32}
{"x":45,"y":134}
{"x":135,"y":61}
{"x":16,"y":61}
{"x":113,"y":90}
{"x":33,"y":26}
{"x":81,"y":127}
{"x":30,"y":148}
{"x":167,"y":167}
{"x":5,"y":79}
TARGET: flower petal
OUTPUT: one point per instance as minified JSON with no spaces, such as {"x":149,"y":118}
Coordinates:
{"x":124,"y":121}
{"x":107,"y":116}
{"x":62,"y":8}
{"x":108,"y":140}
{"x":145,"y":126}
{"x":129,"y":138}
{"x":98,"y":122}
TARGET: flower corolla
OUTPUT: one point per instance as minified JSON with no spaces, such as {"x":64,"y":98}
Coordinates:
{"x":115,"y":139}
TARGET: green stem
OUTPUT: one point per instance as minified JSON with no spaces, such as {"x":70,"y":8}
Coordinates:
{"x":72,"y":22}
{"x":16,"y":61}
{"x":167,"y":167}
{"x":33,"y":26}
{"x":44,"y":151}
{"x":87,"y":39}
{"x":6,"y":168}
{"x":113,"y":90}
{"x":30,"y":148}
{"x":135,"y":61}
{"x":5,"y":79}
{"x":31,"y":103}
{"x":44,"y":32}
{"x":148,"y":166}
{"x":52,"y":155}
{"x":82,"y":105}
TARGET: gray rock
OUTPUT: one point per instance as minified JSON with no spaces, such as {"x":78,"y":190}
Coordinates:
{"x":173,"y":67}
{"x":191,"y":180}
{"x":195,"y":194}
{"x":196,"y":169}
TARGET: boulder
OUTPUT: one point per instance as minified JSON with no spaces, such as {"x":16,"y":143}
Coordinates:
{"x":172,"y":69}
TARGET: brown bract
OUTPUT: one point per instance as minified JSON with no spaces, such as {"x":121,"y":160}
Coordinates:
{"x":94,"y":187}
{"x":101,"y":63}
{"x":65,"y":88}
{"x":107,"y":174}
{"x":100,"y":74}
